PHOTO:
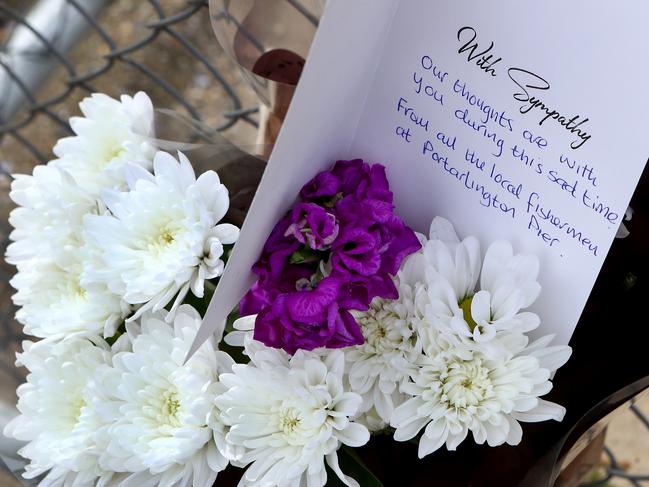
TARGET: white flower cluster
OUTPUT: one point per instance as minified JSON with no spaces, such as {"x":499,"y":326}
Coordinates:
{"x":136,"y":414}
{"x":132,"y":415}
{"x":451,"y":355}
{"x":109,"y":232}
{"x":109,"y":240}
{"x":111,"y":226}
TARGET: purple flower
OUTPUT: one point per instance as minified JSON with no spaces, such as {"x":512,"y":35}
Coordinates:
{"x":308,"y":319}
{"x":398,"y":242}
{"x":357,"y":251}
{"x":324,"y":186}
{"x":335,"y":251}
{"x":370,"y":257}
{"x":313,"y":225}
{"x":349,"y":177}
{"x":275,"y":275}
{"x":277,"y":249}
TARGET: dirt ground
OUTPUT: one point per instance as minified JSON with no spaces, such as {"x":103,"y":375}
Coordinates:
{"x":628,"y":439}
{"x":125,"y":21}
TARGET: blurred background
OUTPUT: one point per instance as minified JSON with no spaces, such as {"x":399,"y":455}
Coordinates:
{"x":53,"y":53}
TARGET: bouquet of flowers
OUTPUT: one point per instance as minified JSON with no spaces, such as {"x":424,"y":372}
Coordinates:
{"x":356,"y":325}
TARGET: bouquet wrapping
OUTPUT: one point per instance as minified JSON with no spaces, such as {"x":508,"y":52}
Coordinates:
{"x":356,"y":328}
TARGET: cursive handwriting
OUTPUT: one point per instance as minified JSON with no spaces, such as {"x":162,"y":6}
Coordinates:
{"x":527,"y":81}
{"x":482,"y":60}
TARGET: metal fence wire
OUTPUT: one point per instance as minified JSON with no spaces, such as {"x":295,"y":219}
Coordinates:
{"x":75,"y":20}
{"x":55,"y":52}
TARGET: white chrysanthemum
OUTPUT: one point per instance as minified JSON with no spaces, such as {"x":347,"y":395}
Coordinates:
{"x":162,"y":237}
{"x":456,"y":389}
{"x":47,"y":247}
{"x":49,"y":216}
{"x":111,"y":134}
{"x":377,"y":368}
{"x":290,"y":414}
{"x":508,"y":285}
{"x":163,"y":424}
{"x":54,"y":303}
{"x":57,"y":417}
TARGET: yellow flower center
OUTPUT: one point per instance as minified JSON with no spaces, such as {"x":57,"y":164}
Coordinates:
{"x":467,"y":384}
{"x":79,"y":291}
{"x":113,"y":151}
{"x":77,"y":406}
{"x":167,"y":237}
{"x":70,"y":287}
{"x":170,"y":408}
{"x":162,"y":238}
{"x":289,"y":420}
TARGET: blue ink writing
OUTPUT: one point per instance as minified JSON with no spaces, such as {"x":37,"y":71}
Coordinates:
{"x":519,"y":153}
{"x":490,"y":113}
{"x":581,"y":169}
{"x":428,"y":65}
{"x":404,"y":133}
{"x":569,"y":188}
{"x":537,"y":140}
{"x":535,"y":226}
{"x":444,"y":139}
{"x":402,"y":106}
{"x":488,"y":199}
{"x":472,"y":158}
{"x":505,"y":183}
{"x":427,"y":89}
{"x":592,"y":202}
{"x":547,"y":215}
{"x":482,"y":129}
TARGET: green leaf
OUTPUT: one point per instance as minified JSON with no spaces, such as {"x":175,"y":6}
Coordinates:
{"x":351,"y":464}
{"x":235,"y":352}
{"x":199,"y":304}
{"x":331,"y":202}
{"x":118,"y":333}
{"x":305,"y":255}
{"x":232,"y":317}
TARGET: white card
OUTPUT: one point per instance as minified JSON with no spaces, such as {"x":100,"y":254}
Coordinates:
{"x":515,"y":120}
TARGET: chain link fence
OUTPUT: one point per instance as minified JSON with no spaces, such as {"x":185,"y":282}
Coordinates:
{"x":172,"y":41}
{"x":55,"y":52}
